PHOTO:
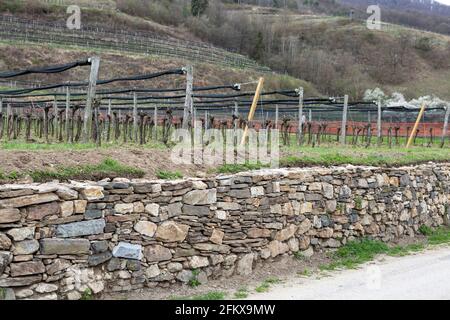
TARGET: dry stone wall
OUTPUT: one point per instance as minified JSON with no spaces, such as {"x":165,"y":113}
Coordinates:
{"x":59,"y":240}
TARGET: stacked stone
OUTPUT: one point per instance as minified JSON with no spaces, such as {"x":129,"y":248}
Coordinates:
{"x":59,"y":240}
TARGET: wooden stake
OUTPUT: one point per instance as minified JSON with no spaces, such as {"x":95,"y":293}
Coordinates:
{"x":188,"y":103}
{"x":276,"y":116}
{"x":444,"y":130}
{"x":95,"y":64}
{"x":300,"y":116}
{"x":155,"y":116}
{"x":416,"y":125}
{"x":108,"y":122}
{"x":135,"y":118}
{"x":344,"y":121}
{"x":67,"y":114}
{"x":253,"y":108}
{"x":379,"y":122}
{"x":55,"y":116}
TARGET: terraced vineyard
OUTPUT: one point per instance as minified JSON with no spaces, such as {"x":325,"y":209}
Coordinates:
{"x":16,"y":29}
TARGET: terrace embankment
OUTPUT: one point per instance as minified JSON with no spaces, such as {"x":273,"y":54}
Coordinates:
{"x":69,"y":241}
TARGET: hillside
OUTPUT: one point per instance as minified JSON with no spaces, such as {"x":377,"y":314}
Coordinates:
{"x":333,"y":54}
{"x":114,"y":64}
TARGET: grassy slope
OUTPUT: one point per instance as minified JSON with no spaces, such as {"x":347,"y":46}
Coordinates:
{"x":113,"y":64}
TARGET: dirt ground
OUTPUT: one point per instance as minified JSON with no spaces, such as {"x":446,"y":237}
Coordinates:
{"x":149,"y":160}
{"x":282,"y":269}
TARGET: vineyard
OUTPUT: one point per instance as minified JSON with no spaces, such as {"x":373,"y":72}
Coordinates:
{"x":22,"y":30}
{"x":142,"y":115}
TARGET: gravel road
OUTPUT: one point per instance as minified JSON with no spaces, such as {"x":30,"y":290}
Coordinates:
{"x":421,"y":276}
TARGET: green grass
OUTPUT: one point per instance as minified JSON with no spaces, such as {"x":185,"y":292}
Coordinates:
{"x":235,"y":168}
{"x":299,"y":255}
{"x":213,"y":295}
{"x":355,"y":253}
{"x":87,"y":295}
{"x":375,"y":156}
{"x":265,"y":285}
{"x":168,"y":175}
{"x":19,"y":145}
{"x":242,"y":293}
{"x":439,"y":236}
{"x":194,"y":282}
{"x":24,"y":146}
{"x":358,"y":252}
{"x":108,"y":168}
{"x":305,"y":273}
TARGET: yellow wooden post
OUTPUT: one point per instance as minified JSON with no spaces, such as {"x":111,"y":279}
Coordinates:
{"x":253,"y":108}
{"x":413,"y":132}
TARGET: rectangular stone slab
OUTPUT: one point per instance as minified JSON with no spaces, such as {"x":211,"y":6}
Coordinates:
{"x":28,"y":200}
{"x":82,"y":228}
{"x":19,"y":282}
{"x":9,"y":215}
{"x":27,"y":268}
{"x":65,"y":246}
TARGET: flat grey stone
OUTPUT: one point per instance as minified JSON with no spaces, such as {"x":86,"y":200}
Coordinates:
{"x":128,"y":251}
{"x":83,"y":228}
{"x":65,"y":246}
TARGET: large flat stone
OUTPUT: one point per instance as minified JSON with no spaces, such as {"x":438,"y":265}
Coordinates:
{"x":200,"y":197}
{"x":9,"y":215}
{"x":128,"y":251}
{"x":99,"y":258}
{"x":38,"y":212}
{"x":196,"y":210}
{"x":20,"y":234}
{"x":65,"y":246}
{"x":27,"y":268}
{"x":92,"y":193}
{"x":146,"y":228}
{"x":172,"y":232}
{"x":65,"y":193}
{"x":157,"y":253}
{"x":26,"y":247}
{"x":20,"y":281}
{"x":26,"y":201}
{"x":82,"y":228}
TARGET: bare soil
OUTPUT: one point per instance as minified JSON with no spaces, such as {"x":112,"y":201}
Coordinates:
{"x":148,"y":160}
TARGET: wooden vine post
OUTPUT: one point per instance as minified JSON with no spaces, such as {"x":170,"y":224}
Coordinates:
{"x":155,"y":121}
{"x":188,"y":103}
{"x":55,"y":116}
{"x":95,"y":64}
{"x":135,"y":118}
{"x":300,"y":115}
{"x":68,"y":137}
{"x":253,"y":108}
{"x":444,"y":129}
{"x":379,"y":122}
{"x":276,"y":117}
{"x":8,"y":120}
{"x":344,"y":121}
{"x":108,"y":118}
{"x":416,"y":125}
